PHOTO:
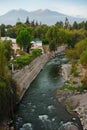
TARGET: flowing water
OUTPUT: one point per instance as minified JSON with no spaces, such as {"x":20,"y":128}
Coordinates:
{"x":39,"y":108}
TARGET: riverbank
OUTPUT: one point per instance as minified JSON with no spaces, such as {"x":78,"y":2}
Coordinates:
{"x":81,"y":109}
{"x":25,"y":76}
{"x":41,"y":96}
{"x":23,"y":79}
{"x":74,"y":101}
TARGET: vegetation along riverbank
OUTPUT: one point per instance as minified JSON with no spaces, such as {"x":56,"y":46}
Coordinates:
{"x":74,"y":92}
{"x":30,"y":40}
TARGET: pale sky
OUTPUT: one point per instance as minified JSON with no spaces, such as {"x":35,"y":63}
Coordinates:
{"x":69,"y":7}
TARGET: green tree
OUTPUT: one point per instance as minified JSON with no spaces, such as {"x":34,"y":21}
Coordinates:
{"x":27,"y":21}
{"x":38,"y":32}
{"x":75,"y":25}
{"x":44,"y":31}
{"x":49,"y":34}
{"x":52,"y":45}
{"x":33,"y":24}
{"x":81,"y":25}
{"x":8,"y":49}
{"x":86,"y":25}
{"x":59,"y":24}
{"x":79,"y":51}
{"x":2,"y":30}
{"x":67,"y":25}
{"x":52,"y":34}
{"x":62,"y":37}
{"x":24,"y":37}
{"x":11,"y":32}
{"x":83,"y":58}
{"x":2,"y":60}
{"x":55,"y":34}
{"x":8,"y":95}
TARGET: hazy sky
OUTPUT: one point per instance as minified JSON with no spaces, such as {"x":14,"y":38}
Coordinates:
{"x":70,"y":7}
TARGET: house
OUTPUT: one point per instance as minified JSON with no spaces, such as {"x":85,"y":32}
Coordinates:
{"x":8,"y":38}
{"x":14,"y":44}
{"x":36,"y":44}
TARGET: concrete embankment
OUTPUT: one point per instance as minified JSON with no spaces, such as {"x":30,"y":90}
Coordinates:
{"x":25,"y":76}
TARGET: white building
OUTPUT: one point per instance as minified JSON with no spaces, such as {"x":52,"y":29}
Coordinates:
{"x":8,"y":38}
{"x":14,"y":45}
{"x":36,"y":44}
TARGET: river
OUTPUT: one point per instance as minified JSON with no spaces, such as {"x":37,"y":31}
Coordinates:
{"x":39,"y":108}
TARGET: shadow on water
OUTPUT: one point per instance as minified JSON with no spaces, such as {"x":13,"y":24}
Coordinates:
{"x":39,"y":109}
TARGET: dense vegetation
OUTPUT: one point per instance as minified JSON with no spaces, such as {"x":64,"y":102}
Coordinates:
{"x":26,"y":59}
{"x":8,"y":95}
{"x":60,"y":33}
{"x":75,"y":36}
{"x":24,"y":37}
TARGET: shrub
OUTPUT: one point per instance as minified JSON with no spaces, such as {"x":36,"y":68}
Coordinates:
{"x":36,"y":52}
{"x":72,"y":88}
{"x":71,"y":53}
{"x":8,"y":98}
{"x":83,"y":58}
{"x":74,"y":70}
{"x":22,"y":53}
{"x":84,"y":81}
{"x":26,"y":59}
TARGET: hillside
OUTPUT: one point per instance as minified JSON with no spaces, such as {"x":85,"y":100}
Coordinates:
{"x":44,"y":16}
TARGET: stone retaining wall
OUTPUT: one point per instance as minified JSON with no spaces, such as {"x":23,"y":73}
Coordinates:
{"x":25,"y":76}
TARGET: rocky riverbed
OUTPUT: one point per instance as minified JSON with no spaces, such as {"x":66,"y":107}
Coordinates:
{"x":74,"y":101}
{"x":81,"y":109}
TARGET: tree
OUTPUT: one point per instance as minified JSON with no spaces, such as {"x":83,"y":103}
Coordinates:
{"x":44,"y":29}
{"x":81,"y":25}
{"x":59,"y":24}
{"x":6,"y":52}
{"x":81,"y":47}
{"x":9,"y":51}
{"x":55,"y":34}
{"x":24,"y":37}
{"x":49,"y":34}
{"x":86,"y":25}
{"x":38,"y":32}
{"x":27,"y":21}
{"x":52,"y":45}
{"x":2,"y":60}
{"x":11,"y":32}
{"x":2,"y":30}
{"x":75,"y":25}
{"x":45,"y":41}
{"x":83,"y":58}
{"x":79,"y":51}
{"x":62,"y":37}
{"x":66,"y":23}
{"x":36,"y":24}
{"x":8,"y":95}
{"x":77,"y":36}
{"x":33,"y":24}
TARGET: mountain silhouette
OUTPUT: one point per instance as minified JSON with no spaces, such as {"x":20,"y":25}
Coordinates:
{"x":44,"y":16}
